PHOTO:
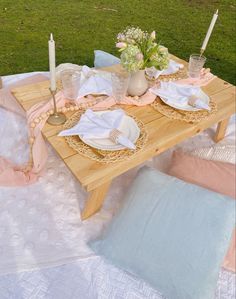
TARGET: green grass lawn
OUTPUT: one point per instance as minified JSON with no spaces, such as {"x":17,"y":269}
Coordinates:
{"x":80,"y":26}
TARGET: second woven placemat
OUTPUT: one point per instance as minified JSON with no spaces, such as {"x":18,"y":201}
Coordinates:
{"x":187,"y":116}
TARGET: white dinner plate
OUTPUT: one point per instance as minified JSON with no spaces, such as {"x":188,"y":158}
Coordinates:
{"x":204,"y":97}
{"x":128,"y":127}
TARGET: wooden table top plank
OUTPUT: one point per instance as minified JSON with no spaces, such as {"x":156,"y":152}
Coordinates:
{"x":49,"y":130}
{"x":217,"y":85}
{"x":145,"y":113}
{"x":30,"y":103}
{"x":29,"y":95}
{"x":61,"y":146}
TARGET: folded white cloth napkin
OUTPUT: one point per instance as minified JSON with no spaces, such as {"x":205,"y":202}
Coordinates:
{"x":180,"y":95}
{"x":173,"y":67}
{"x":99,"y":126}
{"x":94,"y":82}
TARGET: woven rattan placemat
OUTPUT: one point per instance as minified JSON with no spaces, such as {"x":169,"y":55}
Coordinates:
{"x":187,"y":116}
{"x":179,"y":75}
{"x":103,"y":156}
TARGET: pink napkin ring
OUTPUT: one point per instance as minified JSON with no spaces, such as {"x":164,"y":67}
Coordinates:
{"x":114,"y":134}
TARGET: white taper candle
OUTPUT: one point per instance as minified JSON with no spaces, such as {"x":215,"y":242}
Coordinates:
{"x":213,"y":21}
{"x":52,"y":63}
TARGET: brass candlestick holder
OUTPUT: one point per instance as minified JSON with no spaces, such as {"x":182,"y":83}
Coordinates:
{"x":57,"y":118}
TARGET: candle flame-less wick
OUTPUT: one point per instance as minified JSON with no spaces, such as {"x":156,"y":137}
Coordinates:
{"x":51,"y":37}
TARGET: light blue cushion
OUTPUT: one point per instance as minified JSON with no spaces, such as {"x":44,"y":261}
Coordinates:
{"x":172,"y":234}
{"x":103,"y":59}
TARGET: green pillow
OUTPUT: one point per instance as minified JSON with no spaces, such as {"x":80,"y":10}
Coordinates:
{"x":170,"y":233}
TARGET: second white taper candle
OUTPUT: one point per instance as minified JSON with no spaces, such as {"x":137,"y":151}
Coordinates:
{"x":213,"y":21}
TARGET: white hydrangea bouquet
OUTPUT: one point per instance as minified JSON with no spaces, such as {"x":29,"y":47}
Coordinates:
{"x":139,"y":50}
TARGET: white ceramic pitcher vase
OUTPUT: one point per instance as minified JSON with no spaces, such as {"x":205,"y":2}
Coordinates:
{"x":138,"y":83}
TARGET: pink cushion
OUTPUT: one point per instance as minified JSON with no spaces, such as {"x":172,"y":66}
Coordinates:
{"x":213,"y":175}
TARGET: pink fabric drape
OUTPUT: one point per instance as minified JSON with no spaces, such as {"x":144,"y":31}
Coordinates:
{"x":10,"y":174}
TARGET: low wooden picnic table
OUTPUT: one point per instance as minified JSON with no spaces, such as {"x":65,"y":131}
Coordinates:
{"x":163,"y":133}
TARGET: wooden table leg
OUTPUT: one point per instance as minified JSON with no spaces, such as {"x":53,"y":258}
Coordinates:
{"x":95,"y":200}
{"x":221,"y":129}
